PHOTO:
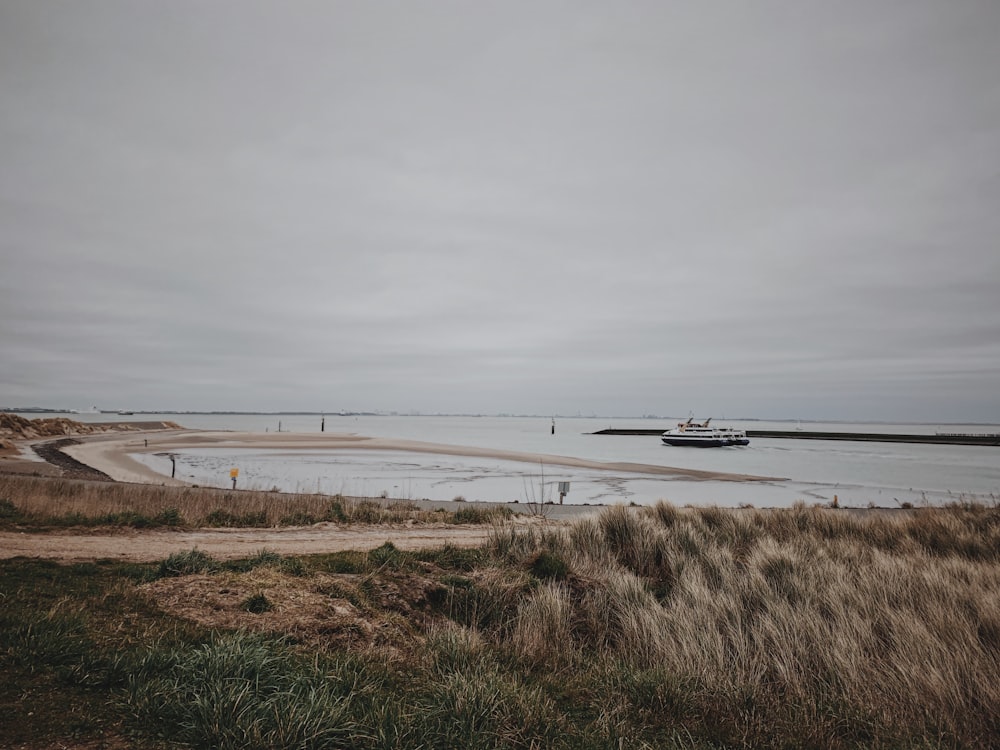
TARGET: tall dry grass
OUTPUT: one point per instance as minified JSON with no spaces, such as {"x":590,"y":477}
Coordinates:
{"x":657,"y":627}
{"x":46,"y":501}
{"x":806,"y":625}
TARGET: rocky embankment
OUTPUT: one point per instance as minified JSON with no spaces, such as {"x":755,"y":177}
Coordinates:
{"x":69,"y":466}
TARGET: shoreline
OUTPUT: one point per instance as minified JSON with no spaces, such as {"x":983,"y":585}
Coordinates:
{"x":109,"y":453}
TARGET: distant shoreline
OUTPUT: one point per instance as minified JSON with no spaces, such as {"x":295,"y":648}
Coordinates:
{"x":668,"y":421}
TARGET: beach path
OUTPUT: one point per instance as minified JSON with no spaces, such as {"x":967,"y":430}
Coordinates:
{"x":129,"y":545}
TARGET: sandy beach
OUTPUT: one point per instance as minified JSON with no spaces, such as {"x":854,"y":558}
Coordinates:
{"x":109,"y":453}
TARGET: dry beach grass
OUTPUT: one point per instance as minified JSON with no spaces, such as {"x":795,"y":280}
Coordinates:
{"x":649,"y":627}
{"x":804,"y":626}
{"x":68,"y":502}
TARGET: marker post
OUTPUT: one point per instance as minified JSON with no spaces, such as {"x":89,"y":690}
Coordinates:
{"x":563,"y":491}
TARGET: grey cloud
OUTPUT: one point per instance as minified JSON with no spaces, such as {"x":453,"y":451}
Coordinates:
{"x":775,"y":210}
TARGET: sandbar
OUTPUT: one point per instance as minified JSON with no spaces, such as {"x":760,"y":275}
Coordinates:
{"x":110,"y":453}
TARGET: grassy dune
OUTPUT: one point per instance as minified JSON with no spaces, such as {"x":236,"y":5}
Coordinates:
{"x":657,"y":627}
{"x":804,"y":627}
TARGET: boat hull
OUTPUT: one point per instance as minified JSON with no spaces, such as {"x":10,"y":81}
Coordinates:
{"x":695,"y":442}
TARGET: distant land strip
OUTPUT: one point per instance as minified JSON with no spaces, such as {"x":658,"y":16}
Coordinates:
{"x":862,"y":437}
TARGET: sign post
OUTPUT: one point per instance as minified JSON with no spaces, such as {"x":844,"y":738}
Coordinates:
{"x":233,"y":473}
{"x":563,"y":491}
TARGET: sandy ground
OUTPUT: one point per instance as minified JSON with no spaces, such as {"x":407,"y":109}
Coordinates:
{"x":109,"y":453}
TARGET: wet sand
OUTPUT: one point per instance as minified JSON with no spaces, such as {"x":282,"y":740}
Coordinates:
{"x":109,"y":453}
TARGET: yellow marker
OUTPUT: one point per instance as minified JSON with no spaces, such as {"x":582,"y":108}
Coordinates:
{"x":234,"y":473}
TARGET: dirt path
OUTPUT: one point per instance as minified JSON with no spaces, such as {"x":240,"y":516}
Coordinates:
{"x":146,"y":546}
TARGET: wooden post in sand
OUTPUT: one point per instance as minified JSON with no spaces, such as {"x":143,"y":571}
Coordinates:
{"x":173,"y":467}
{"x":322,"y":424}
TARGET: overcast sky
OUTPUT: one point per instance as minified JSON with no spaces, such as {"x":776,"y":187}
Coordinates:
{"x":770,"y":209}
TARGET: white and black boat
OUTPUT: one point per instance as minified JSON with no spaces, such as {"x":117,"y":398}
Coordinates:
{"x":700,"y":435}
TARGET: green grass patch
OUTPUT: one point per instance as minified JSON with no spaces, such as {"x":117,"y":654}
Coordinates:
{"x":548,"y":565}
{"x":267,"y":559}
{"x":12,"y":515}
{"x":8,"y":511}
{"x":473,"y":515}
{"x":226,"y":519}
{"x":387,"y":556}
{"x":450,"y":557}
{"x":187,"y":563}
{"x":298,"y":518}
{"x":257,"y":604}
{"x":340,"y":563}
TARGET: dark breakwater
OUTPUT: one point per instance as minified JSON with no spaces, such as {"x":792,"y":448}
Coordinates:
{"x":862,"y":437}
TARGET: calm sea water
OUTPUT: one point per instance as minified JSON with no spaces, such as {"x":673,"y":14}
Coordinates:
{"x":883,"y":474}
